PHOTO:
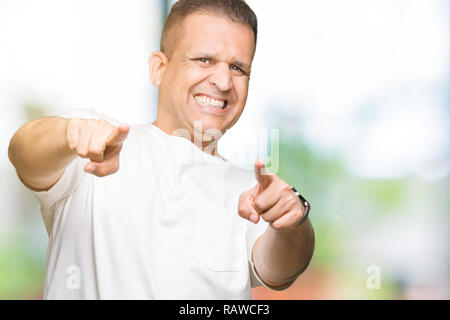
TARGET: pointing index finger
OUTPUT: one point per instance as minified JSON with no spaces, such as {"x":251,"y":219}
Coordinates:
{"x":118,"y":135}
{"x":263,"y":177}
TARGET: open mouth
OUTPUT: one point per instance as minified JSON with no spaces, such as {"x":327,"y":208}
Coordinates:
{"x":211,"y":103}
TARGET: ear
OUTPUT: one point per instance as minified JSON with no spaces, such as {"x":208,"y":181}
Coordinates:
{"x":157,"y":64}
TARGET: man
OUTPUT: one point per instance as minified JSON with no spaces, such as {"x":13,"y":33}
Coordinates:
{"x":164,"y":226}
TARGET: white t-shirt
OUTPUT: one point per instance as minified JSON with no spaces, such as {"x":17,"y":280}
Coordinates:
{"x":165,"y":226}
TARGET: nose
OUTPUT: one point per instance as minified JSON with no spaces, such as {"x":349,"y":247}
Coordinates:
{"x":221,"y":77}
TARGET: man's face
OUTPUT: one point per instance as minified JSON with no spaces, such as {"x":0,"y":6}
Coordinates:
{"x":207,"y":76}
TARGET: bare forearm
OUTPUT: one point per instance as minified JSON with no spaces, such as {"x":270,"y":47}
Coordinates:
{"x":39,"y":151}
{"x":280,"y":256}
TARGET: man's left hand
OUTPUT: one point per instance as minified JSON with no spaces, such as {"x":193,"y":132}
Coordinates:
{"x":272,"y":199}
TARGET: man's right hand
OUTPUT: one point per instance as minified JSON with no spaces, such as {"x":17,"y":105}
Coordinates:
{"x":99,"y":141}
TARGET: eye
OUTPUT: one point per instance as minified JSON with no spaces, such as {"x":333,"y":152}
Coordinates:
{"x":204,"y":60}
{"x":238,"y":69}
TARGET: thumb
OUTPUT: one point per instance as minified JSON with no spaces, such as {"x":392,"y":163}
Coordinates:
{"x":263,"y":177}
{"x":246,"y":207}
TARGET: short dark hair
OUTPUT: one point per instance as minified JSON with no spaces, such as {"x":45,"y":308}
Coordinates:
{"x":236,"y":10}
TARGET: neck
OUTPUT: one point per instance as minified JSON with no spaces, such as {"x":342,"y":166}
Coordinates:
{"x":209,"y":147}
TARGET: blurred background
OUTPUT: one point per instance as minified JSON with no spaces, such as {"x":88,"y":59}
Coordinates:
{"x":358,"y":93}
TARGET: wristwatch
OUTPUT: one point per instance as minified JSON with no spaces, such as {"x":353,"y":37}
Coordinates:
{"x":305,"y":203}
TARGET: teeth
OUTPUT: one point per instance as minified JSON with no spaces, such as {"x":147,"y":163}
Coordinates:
{"x":209,"y":102}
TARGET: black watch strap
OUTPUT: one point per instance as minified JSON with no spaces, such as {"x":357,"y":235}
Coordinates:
{"x":305,"y":203}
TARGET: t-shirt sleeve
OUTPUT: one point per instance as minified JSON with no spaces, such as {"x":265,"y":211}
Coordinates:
{"x":252,"y":233}
{"x":88,"y":113}
{"x":69,"y":181}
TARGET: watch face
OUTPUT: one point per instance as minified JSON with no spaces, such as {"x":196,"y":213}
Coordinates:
{"x":306,"y":203}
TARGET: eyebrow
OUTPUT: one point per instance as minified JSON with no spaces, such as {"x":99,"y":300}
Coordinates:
{"x":214,"y":57}
{"x":241,"y":64}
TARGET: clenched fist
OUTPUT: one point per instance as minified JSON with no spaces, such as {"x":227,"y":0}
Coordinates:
{"x":99,"y":141}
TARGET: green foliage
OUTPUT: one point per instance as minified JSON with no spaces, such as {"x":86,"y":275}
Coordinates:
{"x":21,"y":272}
